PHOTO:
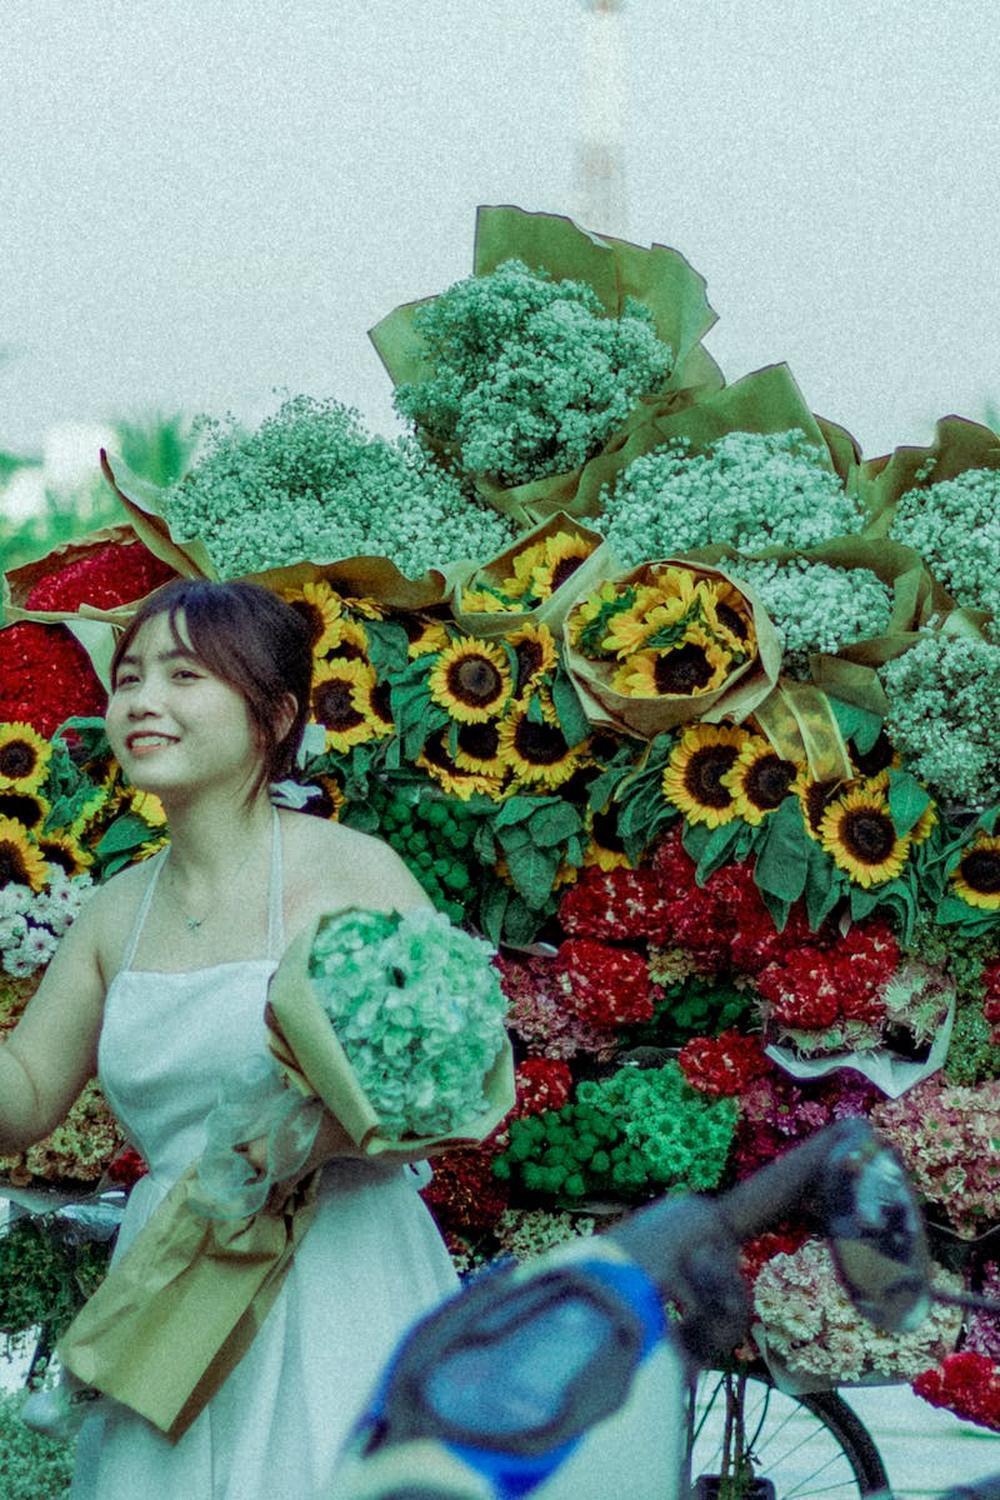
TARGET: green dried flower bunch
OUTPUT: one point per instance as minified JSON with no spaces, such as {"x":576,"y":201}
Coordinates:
{"x":750,"y":490}
{"x":639,"y":1131}
{"x":37,"y":1284}
{"x":973,"y":1055}
{"x":32,"y":1467}
{"x":818,"y":608}
{"x":531,"y":376}
{"x":956,"y":526}
{"x":434,"y":838}
{"x":311,"y":482}
{"x":944,"y":715}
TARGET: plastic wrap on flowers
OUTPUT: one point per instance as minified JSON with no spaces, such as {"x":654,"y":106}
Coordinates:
{"x":668,"y":643}
{"x":533,"y":581}
{"x":616,"y":276}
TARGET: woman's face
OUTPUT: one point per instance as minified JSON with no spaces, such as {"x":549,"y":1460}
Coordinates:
{"x":174,"y":727}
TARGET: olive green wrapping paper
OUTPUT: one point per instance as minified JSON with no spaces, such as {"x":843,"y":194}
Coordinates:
{"x":958,"y":445}
{"x":180,"y":1309}
{"x":307,"y":1049}
{"x":657,"y":276}
{"x":551,"y":611}
{"x":747,"y":686}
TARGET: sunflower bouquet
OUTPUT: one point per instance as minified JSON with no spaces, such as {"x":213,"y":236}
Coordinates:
{"x":667,"y":643}
{"x":531,"y":580}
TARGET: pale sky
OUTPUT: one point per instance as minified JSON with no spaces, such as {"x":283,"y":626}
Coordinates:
{"x":202,"y":201}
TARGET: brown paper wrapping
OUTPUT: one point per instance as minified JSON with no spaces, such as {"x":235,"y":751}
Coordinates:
{"x":552,"y":611}
{"x":181,"y":1308}
{"x":313,"y":1060}
{"x":737,"y":697}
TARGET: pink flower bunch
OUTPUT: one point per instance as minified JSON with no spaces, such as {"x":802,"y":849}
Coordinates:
{"x":540,"y":1011}
{"x":607,"y":986}
{"x":947,"y":1136}
{"x":991,"y":999}
{"x":967,"y":1384}
{"x":776,"y":1112}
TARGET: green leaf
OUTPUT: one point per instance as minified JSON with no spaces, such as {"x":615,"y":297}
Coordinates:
{"x":553,"y":824}
{"x":863,"y":902}
{"x":125,"y":833}
{"x":360,"y":815}
{"x":572,"y":720}
{"x":857,"y":724}
{"x":783,"y":862}
{"x":907,"y":800}
{"x":520,"y":923}
{"x":695,"y":840}
{"x":823,"y":886}
{"x":492,"y":909}
{"x":719,"y":849}
{"x":603,"y":787}
{"x":388,"y":647}
{"x":532,"y":870}
{"x":779,"y":909}
{"x":484,"y":845}
{"x":515,"y":810}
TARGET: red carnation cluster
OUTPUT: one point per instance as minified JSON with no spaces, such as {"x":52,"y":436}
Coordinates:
{"x":463,"y":1195}
{"x":615,"y":905}
{"x":967,"y":1384}
{"x":810,"y":988}
{"x":724,"y":1064}
{"x":105,"y":576}
{"x":542,"y":1083}
{"x":991,"y":999}
{"x":47,"y":677}
{"x":607,"y":986}
{"x":127,"y":1168}
{"x":764,"y":1247}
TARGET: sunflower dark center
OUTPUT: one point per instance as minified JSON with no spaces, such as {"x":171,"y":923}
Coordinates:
{"x":474,"y":680}
{"x":437,"y":755}
{"x":704,"y":771}
{"x":818,"y":794}
{"x":682,"y":671}
{"x":22,"y":808}
{"x":55,"y":854}
{"x":313,"y":617}
{"x":381,"y":701}
{"x":13,"y":868}
{"x":539,"y":744}
{"x":334,"y":707}
{"x":606,"y":832}
{"x":732,"y":620}
{"x":868,"y":835}
{"x":530,"y":656}
{"x":564,"y":568}
{"x":348,"y":651}
{"x":877,"y":758}
{"x":768,"y":780}
{"x":17,"y":759}
{"x":981,"y":871}
{"x":481,"y":741}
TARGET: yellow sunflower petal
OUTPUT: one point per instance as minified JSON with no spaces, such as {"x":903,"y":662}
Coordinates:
{"x":693,"y":776}
{"x":21,"y":863}
{"x":976,"y":877}
{"x":858,"y":832}
{"x":24,"y":757}
{"x":472,"y":680}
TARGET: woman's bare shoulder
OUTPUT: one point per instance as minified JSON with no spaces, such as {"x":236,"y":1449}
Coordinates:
{"x":344,"y":866}
{"x":112,"y":909}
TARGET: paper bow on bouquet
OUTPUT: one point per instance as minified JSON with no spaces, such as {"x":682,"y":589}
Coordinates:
{"x":393,"y":1024}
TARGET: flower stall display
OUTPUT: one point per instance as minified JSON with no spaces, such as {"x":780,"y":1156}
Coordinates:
{"x":659,"y":685}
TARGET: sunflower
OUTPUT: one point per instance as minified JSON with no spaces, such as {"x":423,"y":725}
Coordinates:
{"x":471,"y":680}
{"x":329,"y":801}
{"x":589,"y":620}
{"x":728,"y":616}
{"x":976,"y":878}
{"x":20,"y":861}
{"x":693,"y":778}
{"x":24,"y":757}
{"x":365,"y":606}
{"x":815,"y":797}
{"x":519,"y":582}
{"x":148,"y":806}
{"x":378,"y":711}
{"x":26,"y":808}
{"x":564,"y":553}
{"x":760,"y":780}
{"x":435,"y":760}
{"x":650,"y":613}
{"x":535,"y":649}
{"x":924,"y":826}
{"x":321,"y":607}
{"x":605,"y":848}
{"x":487,"y":601}
{"x":62,"y":852}
{"x":537,"y":753}
{"x":879,"y":759}
{"x":858,"y":831}
{"x":347,"y":641}
{"x":478,"y":749}
{"x":696,"y":665}
{"x":339,"y":701}
{"x":424,"y":636}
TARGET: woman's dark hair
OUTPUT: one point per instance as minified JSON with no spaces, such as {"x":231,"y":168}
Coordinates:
{"x":246,"y":636}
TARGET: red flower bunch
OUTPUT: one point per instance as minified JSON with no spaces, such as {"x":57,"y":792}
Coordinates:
{"x":104,"y":576}
{"x":615,"y":905}
{"x":607,"y":986}
{"x":724,"y":1064}
{"x":542,"y":1083}
{"x":538,"y":1010}
{"x":991,"y":1000}
{"x":463,"y":1195}
{"x":763,"y":1247}
{"x":810,"y":988}
{"x":46,"y":677}
{"x":776,"y":1112}
{"x":967,"y":1384}
{"x":127,"y":1168}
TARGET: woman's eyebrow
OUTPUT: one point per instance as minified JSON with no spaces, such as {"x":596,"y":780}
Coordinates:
{"x":177,"y":654}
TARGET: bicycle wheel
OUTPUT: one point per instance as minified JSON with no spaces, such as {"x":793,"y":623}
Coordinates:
{"x":799,"y":1446}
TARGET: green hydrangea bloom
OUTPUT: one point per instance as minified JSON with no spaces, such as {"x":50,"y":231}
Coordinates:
{"x":312,"y":483}
{"x":944,"y":715}
{"x":531,"y":376}
{"x":818,"y":608}
{"x":751,"y":490}
{"x":955,"y":525}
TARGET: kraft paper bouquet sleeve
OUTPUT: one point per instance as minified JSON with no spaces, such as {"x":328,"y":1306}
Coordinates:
{"x":421,"y":1062}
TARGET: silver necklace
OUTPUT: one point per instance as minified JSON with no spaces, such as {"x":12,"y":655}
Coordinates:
{"x":195,"y":924}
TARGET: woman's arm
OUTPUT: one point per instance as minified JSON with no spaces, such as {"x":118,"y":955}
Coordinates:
{"x":53,"y":1050}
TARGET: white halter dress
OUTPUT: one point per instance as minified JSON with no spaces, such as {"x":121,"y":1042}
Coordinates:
{"x":371,"y":1261}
